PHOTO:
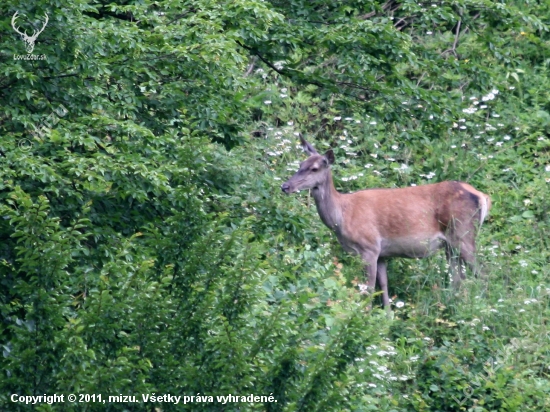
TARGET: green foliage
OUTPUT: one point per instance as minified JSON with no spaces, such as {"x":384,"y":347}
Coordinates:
{"x":145,"y":246}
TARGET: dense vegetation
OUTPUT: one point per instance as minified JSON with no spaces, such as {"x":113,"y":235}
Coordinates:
{"x":146,"y":247}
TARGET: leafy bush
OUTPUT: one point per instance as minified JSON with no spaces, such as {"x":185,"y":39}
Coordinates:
{"x":146,"y":246}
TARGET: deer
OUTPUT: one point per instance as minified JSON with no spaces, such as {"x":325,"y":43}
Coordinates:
{"x":410,"y":222}
{"x":29,"y":40}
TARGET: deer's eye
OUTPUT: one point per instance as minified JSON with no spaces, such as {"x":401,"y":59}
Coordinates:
{"x":314,"y":169}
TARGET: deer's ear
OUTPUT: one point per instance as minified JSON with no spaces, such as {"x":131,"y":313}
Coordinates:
{"x":308,"y":148}
{"x":329,"y":157}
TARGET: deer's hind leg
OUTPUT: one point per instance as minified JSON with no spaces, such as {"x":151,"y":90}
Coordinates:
{"x":461,"y":250}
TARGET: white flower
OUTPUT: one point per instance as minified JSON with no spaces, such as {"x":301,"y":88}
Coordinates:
{"x":348,"y":119}
{"x":547,"y":168}
{"x":373,"y":122}
{"x":399,"y":304}
{"x":498,"y":143}
{"x":267,"y":102}
{"x":395,"y":147}
{"x":282,"y":95}
{"x":506,"y":137}
{"x":372,"y":385}
{"x":374,"y":155}
{"x":429,"y":32}
{"x":338,"y":118}
{"x":284,"y":90}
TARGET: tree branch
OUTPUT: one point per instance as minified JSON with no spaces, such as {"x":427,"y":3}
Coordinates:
{"x":287,"y":73}
{"x":251,"y":66}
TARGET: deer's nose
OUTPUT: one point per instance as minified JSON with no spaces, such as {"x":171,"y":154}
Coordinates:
{"x":285,"y":187}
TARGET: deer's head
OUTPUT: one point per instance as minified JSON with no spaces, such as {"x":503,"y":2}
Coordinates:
{"x":313,"y":171}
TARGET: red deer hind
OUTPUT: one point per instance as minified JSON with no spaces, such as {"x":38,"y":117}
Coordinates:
{"x":411,"y":222}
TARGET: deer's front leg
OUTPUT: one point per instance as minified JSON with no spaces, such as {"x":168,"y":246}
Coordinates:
{"x":382,"y":277}
{"x":371,"y":268}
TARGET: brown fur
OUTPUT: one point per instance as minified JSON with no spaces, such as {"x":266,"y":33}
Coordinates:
{"x":410,"y":222}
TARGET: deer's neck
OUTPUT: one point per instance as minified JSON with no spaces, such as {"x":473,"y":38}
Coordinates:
{"x":327,"y":200}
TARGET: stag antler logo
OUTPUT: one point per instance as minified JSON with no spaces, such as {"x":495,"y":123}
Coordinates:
{"x":29,"y":40}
